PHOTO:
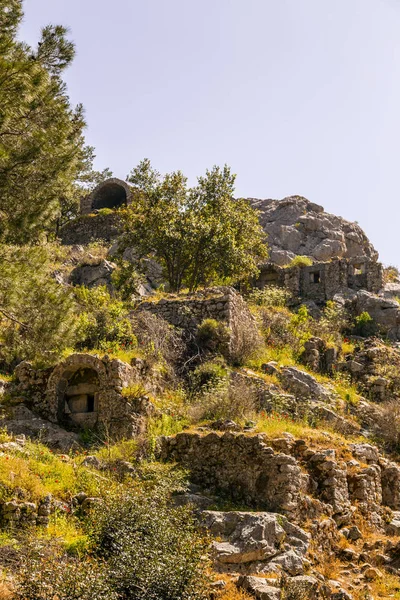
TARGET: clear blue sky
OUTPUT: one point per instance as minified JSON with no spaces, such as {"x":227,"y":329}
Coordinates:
{"x":297,"y":96}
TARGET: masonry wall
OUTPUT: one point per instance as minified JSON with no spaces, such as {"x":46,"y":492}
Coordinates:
{"x":46,"y":393}
{"x":222,"y":304}
{"x":90,"y":228}
{"x":322,"y":280}
{"x":286,"y":475}
{"x":242,"y":468}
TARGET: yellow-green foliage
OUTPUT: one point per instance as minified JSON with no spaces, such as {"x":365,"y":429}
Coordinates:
{"x":276,"y":424}
{"x":38,"y":471}
{"x":68,"y":530}
{"x":301,"y":261}
{"x":166,"y":425}
{"x":346,"y":390}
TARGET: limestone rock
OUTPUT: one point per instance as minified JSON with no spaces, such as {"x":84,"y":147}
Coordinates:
{"x":259,"y":588}
{"x":301,"y":587}
{"x":301,"y":383}
{"x":254,"y":542}
{"x":93,"y":275}
{"x":296,"y":226}
{"x":21,"y":420}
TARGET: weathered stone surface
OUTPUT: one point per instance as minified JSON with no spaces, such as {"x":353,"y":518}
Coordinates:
{"x":93,"y":275}
{"x":85,"y":390}
{"x":385,"y":313}
{"x":301,"y":587}
{"x":337,"y":279}
{"x":111,"y":193}
{"x":259,"y":588}
{"x":20,"y":420}
{"x":301,"y":383}
{"x":256,"y":542}
{"x":90,"y":228}
{"x":295,"y":225}
{"x":331,"y":483}
{"x":220,"y":303}
{"x":242,"y":467}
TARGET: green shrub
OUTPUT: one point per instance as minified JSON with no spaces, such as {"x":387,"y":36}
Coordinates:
{"x":270,"y":296}
{"x":228,"y":399}
{"x":213,"y":336}
{"x":152,"y":549}
{"x":364,"y":325}
{"x":103,"y":323}
{"x":301,"y":261}
{"x":208,"y":375}
{"x":46,"y":574}
{"x":126,"y":280}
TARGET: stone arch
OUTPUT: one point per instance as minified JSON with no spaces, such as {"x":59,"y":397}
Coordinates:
{"x":111,"y":193}
{"x":74,"y":391}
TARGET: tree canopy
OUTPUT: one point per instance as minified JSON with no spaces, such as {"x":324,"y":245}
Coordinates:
{"x":43,"y":156}
{"x":200,"y":234}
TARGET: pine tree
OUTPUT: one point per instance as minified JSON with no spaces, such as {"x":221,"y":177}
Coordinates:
{"x":42,"y":147}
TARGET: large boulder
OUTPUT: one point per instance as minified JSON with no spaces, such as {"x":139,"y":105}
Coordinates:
{"x":300,"y":383}
{"x":385,"y":312}
{"x":296,"y":226}
{"x":256,"y":542}
{"x":93,"y":275}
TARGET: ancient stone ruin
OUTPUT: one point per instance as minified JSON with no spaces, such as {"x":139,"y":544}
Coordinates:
{"x":112,"y":193}
{"x":92,"y":225}
{"x":323,"y":280}
{"x":223,"y":304}
{"x":84,"y":391}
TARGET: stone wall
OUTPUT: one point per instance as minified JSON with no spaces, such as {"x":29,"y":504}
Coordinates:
{"x":323,"y":280}
{"x":83,"y":391}
{"x":242,"y":468}
{"x":221,"y":303}
{"x":286,"y":475}
{"x":90,"y":228}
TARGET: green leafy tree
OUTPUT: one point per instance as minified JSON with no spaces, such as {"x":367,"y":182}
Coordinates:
{"x":42,"y":147}
{"x":201,"y":234}
{"x":37,"y":314}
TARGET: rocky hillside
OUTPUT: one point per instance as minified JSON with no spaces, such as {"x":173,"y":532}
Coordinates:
{"x":296,"y":226}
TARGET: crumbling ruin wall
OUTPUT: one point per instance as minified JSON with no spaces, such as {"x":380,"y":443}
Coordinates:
{"x":90,"y":228}
{"x":286,"y":475}
{"x":83,"y":391}
{"x":321,"y":281}
{"x":221,"y":303}
{"x":242,"y":468}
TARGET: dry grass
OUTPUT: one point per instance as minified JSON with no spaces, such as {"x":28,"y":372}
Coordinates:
{"x":230,"y":591}
{"x":5,"y":591}
{"x":38,"y":471}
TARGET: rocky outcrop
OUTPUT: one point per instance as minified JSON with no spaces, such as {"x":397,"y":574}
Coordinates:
{"x":296,"y":226}
{"x":19,"y":420}
{"x":93,"y":275}
{"x":256,"y":542}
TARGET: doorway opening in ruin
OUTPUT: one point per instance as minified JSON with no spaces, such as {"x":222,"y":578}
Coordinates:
{"x":315,"y":277}
{"x":359,"y":269}
{"x":81,"y":398}
{"x":109,"y":195}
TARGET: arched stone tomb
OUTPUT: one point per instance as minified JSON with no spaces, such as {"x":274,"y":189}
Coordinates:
{"x":81,"y":398}
{"x":111,"y":193}
{"x":85,"y":391}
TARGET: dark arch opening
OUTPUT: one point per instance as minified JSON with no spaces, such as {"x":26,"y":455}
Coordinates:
{"x":80,"y":398}
{"x":110,"y":195}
